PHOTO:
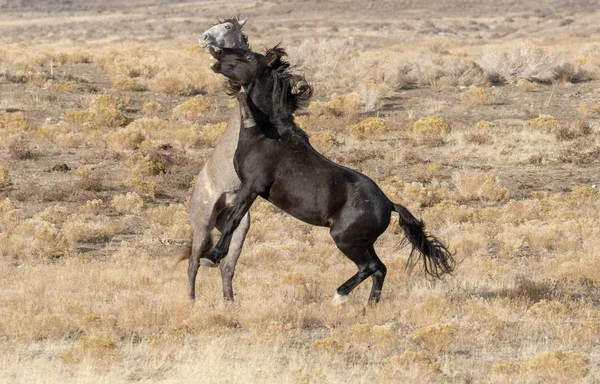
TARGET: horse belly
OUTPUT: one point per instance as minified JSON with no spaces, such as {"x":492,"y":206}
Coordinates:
{"x":302,"y":201}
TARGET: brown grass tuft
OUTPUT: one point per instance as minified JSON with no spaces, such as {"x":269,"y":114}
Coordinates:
{"x":472,"y":185}
{"x":437,"y":337}
{"x":474,"y":97}
{"x":544,"y":123}
{"x":371,"y":128}
{"x":152,"y":108}
{"x":431,"y":130}
{"x":192,"y":109}
{"x":5,"y":179}
{"x":130,"y":203}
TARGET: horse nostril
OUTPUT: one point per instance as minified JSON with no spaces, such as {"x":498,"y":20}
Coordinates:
{"x":205,"y":37}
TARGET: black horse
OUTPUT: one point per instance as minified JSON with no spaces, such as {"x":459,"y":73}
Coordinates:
{"x":275,"y":160}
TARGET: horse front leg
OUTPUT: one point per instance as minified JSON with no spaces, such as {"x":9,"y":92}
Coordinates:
{"x":243,"y":201}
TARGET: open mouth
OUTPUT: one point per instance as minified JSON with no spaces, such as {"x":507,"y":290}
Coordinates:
{"x":215,"y":53}
{"x":216,"y":67}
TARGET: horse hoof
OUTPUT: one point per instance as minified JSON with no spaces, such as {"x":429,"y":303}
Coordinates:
{"x":339,"y":299}
{"x":208,"y":263}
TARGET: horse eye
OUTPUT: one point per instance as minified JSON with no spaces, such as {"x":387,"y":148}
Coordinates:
{"x":228,"y":27}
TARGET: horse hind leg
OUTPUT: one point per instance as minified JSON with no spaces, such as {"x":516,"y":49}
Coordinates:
{"x":202,"y":242}
{"x":228,"y":264}
{"x":368,"y":265}
{"x":378,"y":277}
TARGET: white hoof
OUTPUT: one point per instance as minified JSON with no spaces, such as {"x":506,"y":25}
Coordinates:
{"x":339,"y":299}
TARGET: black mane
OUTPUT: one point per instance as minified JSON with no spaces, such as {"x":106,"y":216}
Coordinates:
{"x":285,"y":102}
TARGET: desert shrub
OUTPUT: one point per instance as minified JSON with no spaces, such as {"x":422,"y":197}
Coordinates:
{"x":146,"y":188}
{"x":424,"y":173}
{"x":516,"y":60}
{"x":371,"y":128}
{"x":371,"y":93}
{"x":77,"y":117}
{"x":10,"y":216}
{"x":326,"y":345}
{"x":580,"y":151}
{"x":446,"y":211}
{"x":12,"y":121}
{"x":557,"y":367}
{"x":98,"y":347}
{"x":479,"y":186}
{"x":143,"y":165}
{"x":474,"y":96}
{"x":519,"y":211}
{"x":169,"y":222}
{"x":21,"y":149}
{"x":84,"y":231}
{"x":106,"y":110}
{"x":323,"y":141}
{"x":436,"y":338}
{"x":56,"y":214}
{"x":590,"y":108}
{"x":127,"y":84}
{"x":88,"y":180}
{"x":484,"y":125}
{"x":91,"y":207}
{"x":191,"y":136}
{"x":59,"y":135}
{"x":130,"y":203}
{"x":548,"y":310}
{"x":66,"y":86}
{"x":339,"y":105}
{"x":125,"y":139}
{"x":526,"y":86}
{"x":5,"y":179}
{"x":428,"y":312}
{"x":175,"y":82}
{"x":324,"y":57}
{"x":213,"y":132}
{"x":584,"y":195}
{"x":151,"y":108}
{"x":431,"y":130}
{"x":543,"y":123}
{"x":410,"y":367}
{"x":478,"y":137}
{"x":33,"y":239}
{"x":191,"y":109}
{"x":72,"y":57}
{"x":576,"y":129}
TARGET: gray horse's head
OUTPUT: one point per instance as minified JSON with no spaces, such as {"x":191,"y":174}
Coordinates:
{"x":225,"y":34}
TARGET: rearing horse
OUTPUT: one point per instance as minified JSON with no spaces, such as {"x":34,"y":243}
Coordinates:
{"x":217,"y":183}
{"x":275,"y":160}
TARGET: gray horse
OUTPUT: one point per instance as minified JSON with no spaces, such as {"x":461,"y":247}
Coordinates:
{"x":217,"y":183}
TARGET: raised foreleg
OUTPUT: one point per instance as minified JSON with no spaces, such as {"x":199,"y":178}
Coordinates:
{"x":243,"y":202}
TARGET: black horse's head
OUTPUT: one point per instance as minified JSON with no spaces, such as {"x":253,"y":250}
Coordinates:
{"x":265,"y":75}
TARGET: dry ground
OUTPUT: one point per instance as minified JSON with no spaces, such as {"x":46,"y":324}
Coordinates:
{"x":482,"y":117}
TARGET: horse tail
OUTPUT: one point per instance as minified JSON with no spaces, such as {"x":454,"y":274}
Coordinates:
{"x":437,"y":259}
{"x":184,"y":254}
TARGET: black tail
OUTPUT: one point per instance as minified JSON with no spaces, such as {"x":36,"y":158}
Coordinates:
{"x":437,"y":259}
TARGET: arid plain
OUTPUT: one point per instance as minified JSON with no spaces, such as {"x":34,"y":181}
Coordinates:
{"x":483,"y":118}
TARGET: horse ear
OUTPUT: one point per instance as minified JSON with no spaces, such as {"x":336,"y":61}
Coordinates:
{"x":271,"y":58}
{"x":242,"y":22}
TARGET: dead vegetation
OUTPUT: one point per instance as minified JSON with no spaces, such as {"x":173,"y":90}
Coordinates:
{"x":486,"y":127}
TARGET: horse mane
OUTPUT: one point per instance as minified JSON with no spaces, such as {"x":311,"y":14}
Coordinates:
{"x":285,"y":103}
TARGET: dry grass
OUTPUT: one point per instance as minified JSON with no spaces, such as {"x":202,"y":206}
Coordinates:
{"x":88,"y":288}
{"x":474,"y":97}
{"x":371,"y":128}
